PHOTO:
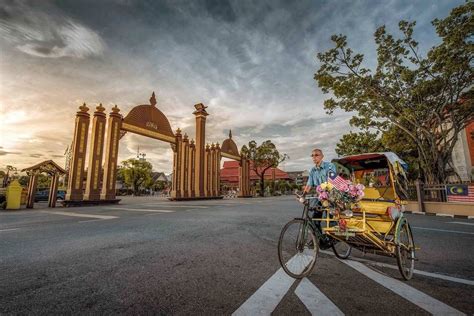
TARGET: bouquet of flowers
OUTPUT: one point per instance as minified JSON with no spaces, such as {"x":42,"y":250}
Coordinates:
{"x":343,"y":196}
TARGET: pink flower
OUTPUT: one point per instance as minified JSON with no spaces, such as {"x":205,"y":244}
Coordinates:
{"x":323,"y":195}
{"x":344,"y":188}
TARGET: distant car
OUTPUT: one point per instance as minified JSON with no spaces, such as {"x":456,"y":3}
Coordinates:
{"x":43,"y":195}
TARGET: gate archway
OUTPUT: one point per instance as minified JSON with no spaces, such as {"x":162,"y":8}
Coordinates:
{"x":229,"y":150}
{"x":53,"y":170}
{"x":196,"y":165}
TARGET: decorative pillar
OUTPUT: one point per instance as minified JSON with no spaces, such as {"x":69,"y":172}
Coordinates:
{"x":32,"y":183}
{"x":176,"y":189}
{"x":206,"y":170}
{"x":76,"y":168}
{"x":200,"y":114}
{"x":184,"y":167}
{"x":247,"y":178}
{"x":218,"y":170}
{"x":53,"y":190}
{"x":111,"y":154}
{"x":213,"y":170}
{"x":244,"y":177}
{"x":241,"y":175}
{"x":95,"y":155}
{"x":191,"y":171}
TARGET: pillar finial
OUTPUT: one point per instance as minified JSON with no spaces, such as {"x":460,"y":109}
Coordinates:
{"x":115,"y":109}
{"x":100,"y":108}
{"x":178,"y":132}
{"x":153,"y":99}
{"x":230,"y":134}
{"x":192,"y":141}
{"x":200,"y":109}
{"x":84,"y":108}
{"x":185,"y":137}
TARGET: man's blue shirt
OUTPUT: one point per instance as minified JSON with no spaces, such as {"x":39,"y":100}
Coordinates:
{"x":318,"y":175}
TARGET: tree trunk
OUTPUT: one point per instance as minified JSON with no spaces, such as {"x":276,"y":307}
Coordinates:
{"x":262,"y":185}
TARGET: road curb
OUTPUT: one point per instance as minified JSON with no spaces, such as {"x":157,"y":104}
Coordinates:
{"x":441,"y":215}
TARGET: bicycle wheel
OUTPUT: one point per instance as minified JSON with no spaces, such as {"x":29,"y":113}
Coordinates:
{"x":341,"y":249}
{"x":297,"y":248}
{"x":405,"y":251}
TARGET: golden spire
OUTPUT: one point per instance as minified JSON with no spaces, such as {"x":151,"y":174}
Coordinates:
{"x":153,"y":99}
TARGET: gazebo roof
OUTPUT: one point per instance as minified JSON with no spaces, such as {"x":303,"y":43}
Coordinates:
{"x":47,"y":166}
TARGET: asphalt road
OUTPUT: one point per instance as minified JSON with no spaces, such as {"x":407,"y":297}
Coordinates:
{"x":151,"y":256}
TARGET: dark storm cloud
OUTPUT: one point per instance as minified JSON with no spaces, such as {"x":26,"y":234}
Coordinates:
{"x":40,"y":29}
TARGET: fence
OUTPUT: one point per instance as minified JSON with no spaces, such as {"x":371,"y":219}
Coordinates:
{"x":428,"y":192}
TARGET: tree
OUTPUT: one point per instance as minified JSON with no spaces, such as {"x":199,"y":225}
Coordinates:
{"x":136,"y":173}
{"x":359,"y":143}
{"x":429,"y":98}
{"x":263,"y":157}
{"x":393,"y":139}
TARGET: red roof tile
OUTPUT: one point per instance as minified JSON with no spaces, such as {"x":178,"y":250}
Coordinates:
{"x":230,"y":173}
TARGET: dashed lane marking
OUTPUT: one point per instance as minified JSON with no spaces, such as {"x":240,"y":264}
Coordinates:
{"x":315,"y":301}
{"x":139,"y":210}
{"x":91,"y":220}
{"x":8,"y":230}
{"x":415,"y":271}
{"x":409,"y":293}
{"x":81,"y":215}
{"x":168,"y":205}
{"x":443,"y":230}
{"x":461,"y":223}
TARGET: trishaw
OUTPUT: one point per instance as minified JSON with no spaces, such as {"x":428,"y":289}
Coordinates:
{"x":375,"y":224}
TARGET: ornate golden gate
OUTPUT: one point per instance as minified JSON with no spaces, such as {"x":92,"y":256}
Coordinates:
{"x":196,"y":165}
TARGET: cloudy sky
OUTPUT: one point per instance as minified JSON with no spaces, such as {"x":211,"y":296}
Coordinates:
{"x":251,"y":62}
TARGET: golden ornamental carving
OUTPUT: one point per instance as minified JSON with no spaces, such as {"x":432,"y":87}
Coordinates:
{"x":100,"y":108}
{"x":83,"y":108}
{"x":115,"y":109}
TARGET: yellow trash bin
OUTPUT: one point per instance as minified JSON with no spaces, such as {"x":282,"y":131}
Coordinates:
{"x":13,"y":195}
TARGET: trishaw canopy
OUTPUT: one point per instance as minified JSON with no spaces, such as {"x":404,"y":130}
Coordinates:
{"x":359,"y":166}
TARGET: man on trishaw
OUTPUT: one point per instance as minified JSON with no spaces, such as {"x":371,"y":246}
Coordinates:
{"x":347,"y":214}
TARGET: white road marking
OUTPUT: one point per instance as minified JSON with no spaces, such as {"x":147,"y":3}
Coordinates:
{"x":80,"y":215}
{"x":268,"y":296}
{"x":442,"y":230}
{"x":461,"y":223}
{"x":168,"y":205}
{"x":409,"y":293}
{"x":91,"y":220}
{"x":8,"y":230}
{"x":315,"y":301}
{"x":415,"y":271}
{"x":139,"y":210}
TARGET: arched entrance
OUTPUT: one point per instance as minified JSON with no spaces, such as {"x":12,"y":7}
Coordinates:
{"x":196,"y":165}
{"x":50,"y":168}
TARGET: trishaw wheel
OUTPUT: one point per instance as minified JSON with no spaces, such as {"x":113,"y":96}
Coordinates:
{"x":405,"y":251}
{"x":298,"y":248}
{"x":341,"y":249}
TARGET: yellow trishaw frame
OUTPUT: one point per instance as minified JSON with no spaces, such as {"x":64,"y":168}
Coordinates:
{"x":371,"y":229}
